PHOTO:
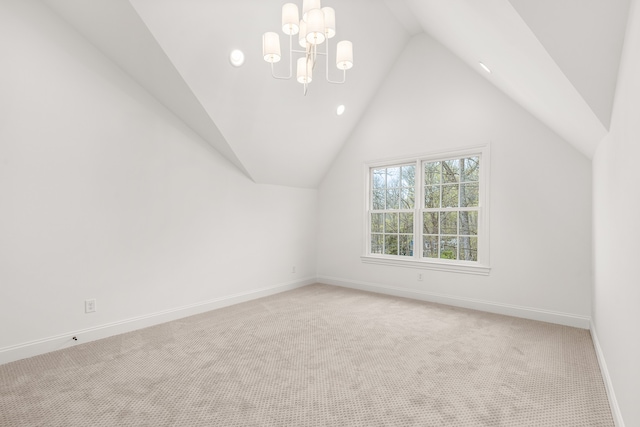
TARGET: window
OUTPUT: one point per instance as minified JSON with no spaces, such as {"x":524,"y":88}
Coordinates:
{"x":393,"y":203}
{"x":430,"y":212}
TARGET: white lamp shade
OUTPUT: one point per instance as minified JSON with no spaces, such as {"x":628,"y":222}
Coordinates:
{"x":307,"y":5}
{"x":344,"y":55}
{"x":290,"y":19}
{"x":329,"y":21}
{"x":271,"y":47}
{"x":315,"y":26}
{"x":302,"y":35}
{"x":304,"y":70}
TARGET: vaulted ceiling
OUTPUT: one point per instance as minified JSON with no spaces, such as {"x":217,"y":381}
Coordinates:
{"x":558,"y":59}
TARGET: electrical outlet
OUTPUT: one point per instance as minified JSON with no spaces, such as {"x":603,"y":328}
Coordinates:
{"x":90,"y":306}
{"x":420,"y":277}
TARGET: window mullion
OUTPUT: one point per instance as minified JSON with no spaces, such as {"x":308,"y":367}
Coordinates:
{"x":417,"y":216}
{"x":458,"y":216}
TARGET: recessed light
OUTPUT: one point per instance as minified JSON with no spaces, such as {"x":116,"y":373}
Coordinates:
{"x":236,"y":57}
{"x":340,"y":110}
{"x":484,"y":67}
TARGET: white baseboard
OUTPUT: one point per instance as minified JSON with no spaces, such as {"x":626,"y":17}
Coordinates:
{"x":566,"y":319}
{"x":58,"y":342}
{"x":613,"y":402}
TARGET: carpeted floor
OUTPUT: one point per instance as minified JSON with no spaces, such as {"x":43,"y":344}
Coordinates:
{"x":317,"y":356}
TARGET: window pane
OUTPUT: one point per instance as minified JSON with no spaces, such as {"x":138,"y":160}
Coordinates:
{"x":469,"y":223}
{"x":432,"y":196}
{"x":376,"y":243}
{"x":430,"y":249}
{"x":409,"y":176}
{"x":393,"y":177}
{"x":469,"y":195}
{"x":377,"y":201}
{"x":449,"y":247}
{"x":391,"y":244}
{"x":469,"y":248}
{"x":377,"y":222}
{"x":406,"y":245}
{"x":393,"y":198}
{"x":407,"y":198}
{"x":470,"y":169}
{"x":378,"y":178}
{"x":406,"y":222}
{"x":450,"y":196}
{"x":448,"y":222}
{"x":432,"y":173}
{"x":451,"y":171}
{"x":391,"y":223}
{"x":430,"y":222}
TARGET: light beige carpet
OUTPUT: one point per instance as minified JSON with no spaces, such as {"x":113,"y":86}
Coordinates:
{"x":317,"y":356}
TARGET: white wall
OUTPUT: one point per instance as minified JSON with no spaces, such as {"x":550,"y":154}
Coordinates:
{"x":540,"y":192}
{"x":616,"y":213}
{"x":105,"y":194}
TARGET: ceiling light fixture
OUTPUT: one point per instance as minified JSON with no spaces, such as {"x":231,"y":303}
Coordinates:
{"x":236,"y":57}
{"x":340,"y":110}
{"x":484,"y":67}
{"x":318,"y":25}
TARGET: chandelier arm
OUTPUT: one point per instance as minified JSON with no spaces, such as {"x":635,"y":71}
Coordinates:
{"x":315,"y":55}
{"x":273,"y":74}
{"x":344,"y":74}
{"x":310,"y":55}
{"x":344,"y":78}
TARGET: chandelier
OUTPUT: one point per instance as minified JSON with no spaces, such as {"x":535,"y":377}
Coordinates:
{"x":317,"y":26}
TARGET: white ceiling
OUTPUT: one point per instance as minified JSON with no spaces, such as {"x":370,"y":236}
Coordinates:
{"x":559,"y":60}
{"x":584,"y":38}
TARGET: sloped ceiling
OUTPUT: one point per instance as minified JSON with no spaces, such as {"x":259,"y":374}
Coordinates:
{"x":584,"y":38}
{"x":494,"y":33}
{"x":116,"y":29}
{"x":559,"y":60}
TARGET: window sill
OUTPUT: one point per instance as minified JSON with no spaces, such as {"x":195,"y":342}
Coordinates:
{"x":477,"y":269}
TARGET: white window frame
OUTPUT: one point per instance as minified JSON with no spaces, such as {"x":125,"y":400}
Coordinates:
{"x":479,"y":267}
